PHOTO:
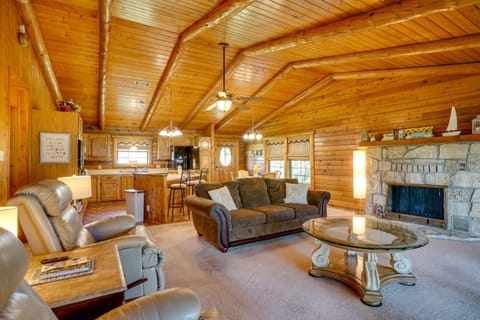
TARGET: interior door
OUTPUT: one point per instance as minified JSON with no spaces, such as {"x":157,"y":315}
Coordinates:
{"x":20,"y":128}
{"x":226,"y":159}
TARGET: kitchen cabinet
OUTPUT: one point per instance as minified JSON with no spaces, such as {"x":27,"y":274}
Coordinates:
{"x":97,"y":147}
{"x":110,"y":188}
{"x":95,"y":183}
{"x":126,"y":183}
{"x":163,"y":148}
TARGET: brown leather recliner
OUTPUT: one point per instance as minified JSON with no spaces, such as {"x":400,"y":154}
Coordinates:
{"x":51,"y":224}
{"x":19,"y":301}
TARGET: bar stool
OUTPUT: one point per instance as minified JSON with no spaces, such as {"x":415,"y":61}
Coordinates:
{"x":176,"y":196}
{"x":202,"y":178}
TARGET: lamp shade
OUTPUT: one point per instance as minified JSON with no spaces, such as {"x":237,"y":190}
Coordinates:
{"x":81,"y":186}
{"x":359,"y":176}
{"x":9,"y":219}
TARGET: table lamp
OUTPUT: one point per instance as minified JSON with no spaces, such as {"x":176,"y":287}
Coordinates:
{"x":81,"y":187}
{"x":9,"y":219}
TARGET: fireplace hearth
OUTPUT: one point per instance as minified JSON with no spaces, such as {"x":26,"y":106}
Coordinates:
{"x":422,"y":204}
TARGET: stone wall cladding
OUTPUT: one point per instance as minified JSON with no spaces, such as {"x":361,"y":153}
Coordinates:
{"x":455,"y":166}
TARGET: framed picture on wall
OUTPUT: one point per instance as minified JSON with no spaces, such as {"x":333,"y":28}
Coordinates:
{"x":54,"y":147}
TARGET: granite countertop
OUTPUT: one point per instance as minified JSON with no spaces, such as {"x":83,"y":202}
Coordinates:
{"x":126,"y":171}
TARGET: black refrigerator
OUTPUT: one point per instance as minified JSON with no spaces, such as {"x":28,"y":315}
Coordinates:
{"x":185,"y":156}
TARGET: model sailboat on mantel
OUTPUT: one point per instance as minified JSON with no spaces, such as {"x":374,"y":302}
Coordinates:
{"x":452,"y":124}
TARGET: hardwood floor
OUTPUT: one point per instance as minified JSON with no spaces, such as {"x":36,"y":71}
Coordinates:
{"x":98,"y":210}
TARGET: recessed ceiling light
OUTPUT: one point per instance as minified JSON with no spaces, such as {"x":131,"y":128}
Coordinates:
{"x":140,"y":83}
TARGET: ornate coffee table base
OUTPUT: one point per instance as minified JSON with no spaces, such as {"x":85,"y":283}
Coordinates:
{"x":362,"y":273}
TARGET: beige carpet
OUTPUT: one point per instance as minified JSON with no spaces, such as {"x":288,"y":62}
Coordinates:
{"x":269,"y":280}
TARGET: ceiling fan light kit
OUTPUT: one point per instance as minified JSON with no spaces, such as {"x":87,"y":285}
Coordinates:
{"x":224,"y":104}
{"x":223,"y":99}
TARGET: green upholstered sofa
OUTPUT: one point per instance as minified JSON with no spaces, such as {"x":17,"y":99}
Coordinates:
{"x":261,"y":211}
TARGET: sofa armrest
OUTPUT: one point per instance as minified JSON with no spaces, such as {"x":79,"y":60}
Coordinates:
{"x":209,"y":208}
{"x":172,"y":304}
{"x":111,"y":227}
{"x":319,"y":199}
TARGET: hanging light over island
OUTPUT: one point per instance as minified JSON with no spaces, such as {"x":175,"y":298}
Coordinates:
{"x":170,"y":131}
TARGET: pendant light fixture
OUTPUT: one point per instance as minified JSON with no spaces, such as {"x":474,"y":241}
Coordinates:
{"x":252,"y":135}
{"x":170,"y":130}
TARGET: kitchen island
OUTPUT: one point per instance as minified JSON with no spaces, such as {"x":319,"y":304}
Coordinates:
{"x":154,"y":183}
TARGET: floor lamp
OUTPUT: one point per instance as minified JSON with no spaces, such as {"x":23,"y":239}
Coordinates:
{"x":81,"y":187}
{"x":359,"y":177}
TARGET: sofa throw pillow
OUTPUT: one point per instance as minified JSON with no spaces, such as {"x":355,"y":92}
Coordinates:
{"x":223,"y":196}
{"x":296,"y":193}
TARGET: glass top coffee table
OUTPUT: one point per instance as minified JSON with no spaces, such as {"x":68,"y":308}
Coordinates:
{"x":369,"y":236}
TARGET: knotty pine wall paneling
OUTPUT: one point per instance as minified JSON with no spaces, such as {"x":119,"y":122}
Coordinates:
{"x":54,"y":122}
{"x":22,"y":62}
{"x":339,"y":112}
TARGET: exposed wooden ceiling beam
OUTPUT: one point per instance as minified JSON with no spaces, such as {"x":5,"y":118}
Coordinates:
{"x":472,"y":41}
{"x":466,"y":42}
{"x":322,"y":83}
{"x":447,"y":70}
{"x":38,"y":43}
{"x":455,"y":69}
{"x":215,"y":17}
{"x":376,"y":19}
{"x":223,"y":11}
{"x":105,"y":15}
{"x":265,"y":88}
{"x":396,"y":13}
{"x":213,"y":90}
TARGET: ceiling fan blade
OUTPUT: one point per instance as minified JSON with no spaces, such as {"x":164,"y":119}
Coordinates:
{"x":211,"y":107}
{"x":242,"y":106}
{"x":249,"y":98}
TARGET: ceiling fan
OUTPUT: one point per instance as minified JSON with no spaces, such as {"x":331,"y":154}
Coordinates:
{"x":223,"y":99}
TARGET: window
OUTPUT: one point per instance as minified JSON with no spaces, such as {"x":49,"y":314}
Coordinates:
{"x":277,"y":165}
{"x":225,"y":156}
{"x":132,"y":156}
{"x":291,"y":156}
{"x":132,"y":151}
{"x":300,"y":169}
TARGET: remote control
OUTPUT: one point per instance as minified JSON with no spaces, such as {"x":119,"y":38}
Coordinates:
{"x":56,"y":259}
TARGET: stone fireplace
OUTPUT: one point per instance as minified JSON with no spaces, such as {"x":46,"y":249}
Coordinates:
{"x":452,"y":167}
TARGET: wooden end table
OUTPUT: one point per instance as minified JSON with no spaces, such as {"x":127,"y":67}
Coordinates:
{"x":373,"y":236}
{"x":88,"y":296}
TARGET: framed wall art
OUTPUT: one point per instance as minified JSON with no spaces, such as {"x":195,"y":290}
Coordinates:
{"x":54,"y":147}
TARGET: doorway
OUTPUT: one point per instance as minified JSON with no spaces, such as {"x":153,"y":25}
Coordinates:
{"x":226,"y":159}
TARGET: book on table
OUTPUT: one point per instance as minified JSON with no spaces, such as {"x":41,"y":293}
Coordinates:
{"x":62,"y":270}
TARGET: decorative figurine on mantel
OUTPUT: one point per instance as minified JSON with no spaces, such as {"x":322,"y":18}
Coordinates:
{"x":68,"y":106}
{"x":476,"y":125}
{"x":452,"y":124}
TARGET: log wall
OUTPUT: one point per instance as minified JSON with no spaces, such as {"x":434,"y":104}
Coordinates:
{"x":20,"y":61}
{"x":338,"y":113}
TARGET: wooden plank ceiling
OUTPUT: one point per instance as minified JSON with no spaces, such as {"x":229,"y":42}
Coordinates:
{"x":138,"y":64}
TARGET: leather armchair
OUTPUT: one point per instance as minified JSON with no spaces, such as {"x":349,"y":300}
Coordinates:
{"x":19,"y":301}
{"x":51,"y":224}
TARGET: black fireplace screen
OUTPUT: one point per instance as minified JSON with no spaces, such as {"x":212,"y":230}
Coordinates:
{"x":418,"y":201}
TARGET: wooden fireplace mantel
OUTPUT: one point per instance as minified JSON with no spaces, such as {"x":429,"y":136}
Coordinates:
{"x":430,"y":140}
